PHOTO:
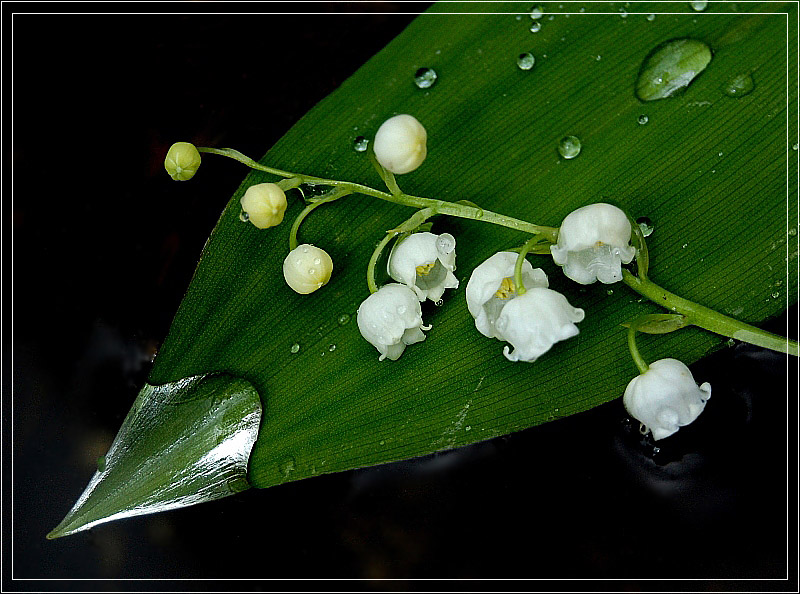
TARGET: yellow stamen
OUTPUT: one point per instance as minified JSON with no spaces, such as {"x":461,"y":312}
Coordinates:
{"x":425,"y":269}
{"x":507,"y":288}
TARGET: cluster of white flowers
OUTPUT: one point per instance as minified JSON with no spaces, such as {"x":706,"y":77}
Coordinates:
{"x":593,"y":243}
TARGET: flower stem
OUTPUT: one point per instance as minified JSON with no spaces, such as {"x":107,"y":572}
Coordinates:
{"x":335,"y":195}
{"x":412,"y":223}
{"x":637,"y":356}
{"x":453,"y":209}
{"x":704,"y":317}
{"x":520,"y":287}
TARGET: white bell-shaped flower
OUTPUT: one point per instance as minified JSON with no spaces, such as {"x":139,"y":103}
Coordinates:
{"x":534,"y":322}
{"x":593,"y":243}
{"x":491,"y":287}
{"x":665,"y":397}
{"x":401,"y":144}
{"x":425,"y":263}
{"x":390,"y":319}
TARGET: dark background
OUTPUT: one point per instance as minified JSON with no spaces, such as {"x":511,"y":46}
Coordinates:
{"x":104,"y":245}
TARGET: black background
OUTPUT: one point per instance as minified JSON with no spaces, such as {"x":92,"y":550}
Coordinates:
{"x":104,"y":245}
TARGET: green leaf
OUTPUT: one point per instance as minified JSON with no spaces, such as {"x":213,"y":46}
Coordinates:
{"x":710,"y":170}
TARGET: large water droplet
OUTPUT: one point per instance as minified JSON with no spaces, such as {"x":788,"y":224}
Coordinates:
{"x":332,"y":348}
{"x":343,"y":319}
{"x":295,"y":348}
{"x":445,"y":244}
{"x":670,"y":67}
{"x":526,"y":61}
{"x":646,"y":225}
{"x":739,"y":86}
{"x":536,"y":26}
{"x":537,"y":12}
{"x":244,"y":217}
{"x":651,"y":17}
{"x":425,"y":77}
{"x":643,"y":119}
{"x":360,"y":144}
{"x":569,"y":147}
{"x":698,"y":6}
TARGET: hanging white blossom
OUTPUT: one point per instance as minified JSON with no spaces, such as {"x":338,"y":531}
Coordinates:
{"x":390,"y":319}
{"x":425,"y":263}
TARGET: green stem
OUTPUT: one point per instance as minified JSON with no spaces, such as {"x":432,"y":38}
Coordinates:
{"x":453,"y":209}
{"x":637,"y":357}
{"x":335,"y":195}
{"x":520,"y":288}
{"x":704,"y":317}
{"x":412,"y":223}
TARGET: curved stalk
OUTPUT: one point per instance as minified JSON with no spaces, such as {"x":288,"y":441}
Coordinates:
{"x":520,"y":287}
{"x":453,"y":209}
{"x":338,"y":193}
{"x":704,"y":317}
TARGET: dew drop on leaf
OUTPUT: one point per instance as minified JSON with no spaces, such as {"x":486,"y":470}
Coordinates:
{"x":360,"y":144}
{"x":646,"y":225}
{"x":537,"y":12}
{"x":671,"y":67}
{"x":425,"y":77}
{"x":739,"y":86}
{"x":536,"y":26}
{"x":526,"y":61}
{"x":295,"y":348}
{"x":643,"y":119}
{"x":569,"y":147}
{"x":698,"y":6}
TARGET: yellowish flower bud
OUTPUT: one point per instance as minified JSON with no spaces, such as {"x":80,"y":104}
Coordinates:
{"x":182,"y":161}
{"x":264,"y":205}
{"x":307,"y":268}
{"x":401,"y":144}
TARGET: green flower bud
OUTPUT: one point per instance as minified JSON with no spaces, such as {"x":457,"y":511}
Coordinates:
{"x":182,"y":161}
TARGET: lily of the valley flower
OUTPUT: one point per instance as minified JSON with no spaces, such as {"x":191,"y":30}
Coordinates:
{"x":532,"y":322}
{"x":390,"y":319}
{"x":425,"y":263}
{"x":401,"y":144}
{"x":593,"y":243}
{"x":491,"y":287}
{"x":665,"y":397}
{"x":182,"y":161}
{"x":264,"y":205}
{"x":307,"y":268}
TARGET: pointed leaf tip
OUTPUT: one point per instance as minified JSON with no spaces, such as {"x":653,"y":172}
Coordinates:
{"x":182,"y":443}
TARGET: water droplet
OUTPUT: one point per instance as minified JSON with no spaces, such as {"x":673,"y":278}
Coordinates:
{"x":425,"y":77}
{"x":101,"y":464}
{"x":295,"y":348}
{"x":739,"y":86}
{"x":730,"y":342}
{"x":332,"y":348}
{"x":536,"y":26}
{"x":468,"y":428}
{"x":537,"y":12}
{"x":698,"y":6}
{"x":643,"y":429}
{"x":383,"y":442}
{"x":244,"y":217}
{"x":401,"y":309}
{"x":792,"y":231}
{"x":343,"y":319}
{"x":445,"y":244}
{"x":646,"y":225}
{"x":623,"y":13}
{"x":610,"y":292}
{"x":776,"y":294}
{"x":671,"y":67}
{"x":651,"y":17}
{"x":440,"y":303}
{"x":684,"y":245}
{"x":287,"y":466}
{"x":312,"y":271}
{"x":360,"y":144}
{"x":794,"y":146}
{"x":643,"y":119}
{"x":518,"y":17}
{"x":569,"y":147}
